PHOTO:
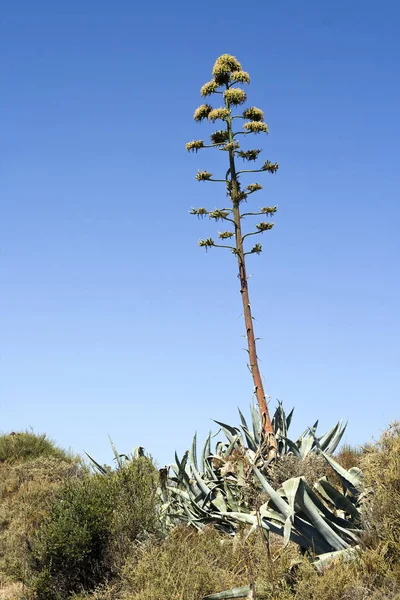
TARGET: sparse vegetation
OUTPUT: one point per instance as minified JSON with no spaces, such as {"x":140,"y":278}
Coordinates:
{"x":258,"y":515}
{"x":23,"y":446}
{"x":67,"y":533}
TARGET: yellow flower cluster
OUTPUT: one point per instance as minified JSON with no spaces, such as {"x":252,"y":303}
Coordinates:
{"x":235,"y":96}
{"x":194,"y":146}
{"x":218,"y":113}
{"x":208,"y":88}
{"x":202,"y":112}
{"x":255,"y":127}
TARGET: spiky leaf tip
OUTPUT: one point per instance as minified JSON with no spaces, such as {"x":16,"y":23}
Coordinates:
{"x":219,"y":137}
{"x":194,"y":146}
{"x":199,"y":212}
{"x":225,"y":235}
{"x":235,"y":96}
{"x":202,"y":112}
{"x":253,"y":187}
{"x":256,"y":127}
{"x":203,"y":175}
{"x":249,"y":154}
{"x":264,"y":226}
{"x":253,"y":113}
{"x":240,"y":76}
{"x":218,"y":113}
{"x":270,"y":167}
{"x":208,"y":88}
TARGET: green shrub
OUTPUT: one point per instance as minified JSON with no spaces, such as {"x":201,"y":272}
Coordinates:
{"x":91,"y":528}
{"x":24,"y":446}
{"x":26,"y":493}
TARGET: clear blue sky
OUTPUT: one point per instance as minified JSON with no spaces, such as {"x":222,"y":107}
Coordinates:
{"x":113,"y":321}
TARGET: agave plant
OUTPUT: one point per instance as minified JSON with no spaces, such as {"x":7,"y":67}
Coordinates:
{"x":219,"y":488}
{"x":319,"y":518}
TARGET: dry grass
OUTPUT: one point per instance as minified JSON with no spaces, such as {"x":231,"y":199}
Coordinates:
{"x":11,"y":591}
{"x":350,"y":456}
{"x":312,"y":467}
{"x":381,"y":466}
{"x":188,"y":565}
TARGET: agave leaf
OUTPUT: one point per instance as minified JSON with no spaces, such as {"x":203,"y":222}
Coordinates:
{"x":307,"y":440}
{"x":278,"y":501}
{"x":231,"y":497}
{"x":326,"y":512}
{"x":116,"y":454}
{"x":270,"y":514}
{"x":256,"y":423}
{"x":315,"y":518}
{"x":234,"y":442}
{"x":293,"y":447}
{"x":351,"y":481}
{"x":242,"y":419}
{"x":230,"y":432}
{"x":307,"y":542}
{"x":351,"y":536}
{"x":219,"y":502}
{"x":279,"y":420}
{"x":251,"y":443}
{"x":178,"y":492}
{"x":306,"y":443}
{"x":239,"y":592}
{"x":182,"y":475}
{"x":193,"y":453}
{"x":289,"y":419}
{"x":290,"y":487}
{"x":205,"y":490}
{"x":241,"y":517}
{"x":325,"y":560}
{"x":335,"y":441}
{"x":336,"y":498}
{"x":206,"y":452}
{"x":326,"y":439}
{"x":101,"y":469}
{"x":357,"y":472}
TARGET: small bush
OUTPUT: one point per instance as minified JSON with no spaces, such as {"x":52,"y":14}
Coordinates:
{"x":24,"y":446}
{"x":350,"y":456}
{"x":26,"y":493}
{"x":91,"y":528}
{"x":381,"y":467}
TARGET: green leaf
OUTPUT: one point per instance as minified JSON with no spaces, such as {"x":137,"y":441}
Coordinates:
{"x":101,"y":469}
{"x":353,"y":482}
{"x":336,"y":498}
{"x":315,"y":518}
{"x":239,"y":592}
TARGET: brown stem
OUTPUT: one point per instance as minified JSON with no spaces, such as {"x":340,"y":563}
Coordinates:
{"x":267,"y":428}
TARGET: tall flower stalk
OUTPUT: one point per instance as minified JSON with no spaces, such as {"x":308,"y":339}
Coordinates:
{"x":227,"y":74}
